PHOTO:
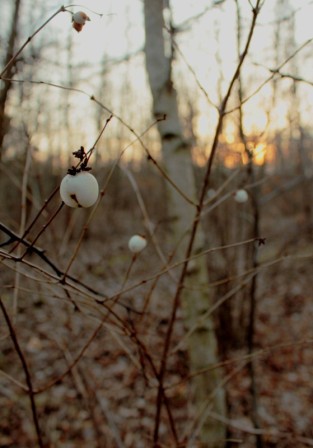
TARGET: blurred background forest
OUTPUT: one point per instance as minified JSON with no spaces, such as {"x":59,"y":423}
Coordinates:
{"x":101,"y":347}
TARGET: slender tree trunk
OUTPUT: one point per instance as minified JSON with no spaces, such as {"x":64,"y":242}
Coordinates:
{"x":6,"y":85}
{"x":297,"y":136}
{"x":252,"y":252}
{"x":176,"y":152}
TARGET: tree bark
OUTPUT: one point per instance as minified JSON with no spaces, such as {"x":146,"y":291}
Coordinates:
{"x":176,"y":151}
{"x":4,"y":121}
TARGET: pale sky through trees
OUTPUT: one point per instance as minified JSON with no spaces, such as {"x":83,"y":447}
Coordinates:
{"x":207,"y":42}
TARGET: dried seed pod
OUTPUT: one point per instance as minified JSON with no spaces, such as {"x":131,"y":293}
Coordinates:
{"x":79,"y":19}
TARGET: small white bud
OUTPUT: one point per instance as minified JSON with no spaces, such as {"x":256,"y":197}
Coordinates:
{"x":137,"y":243}
{"x":79,"y":190}
{"x":241,"y":196}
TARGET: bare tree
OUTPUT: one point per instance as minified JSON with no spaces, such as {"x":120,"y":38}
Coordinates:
{"x":176,"y":152}
{"x":253,"y":230}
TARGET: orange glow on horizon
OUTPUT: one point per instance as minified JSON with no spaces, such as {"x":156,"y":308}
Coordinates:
{"x":233,"y":154}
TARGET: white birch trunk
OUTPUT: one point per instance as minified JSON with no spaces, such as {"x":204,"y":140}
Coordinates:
{"x":178,"y":164}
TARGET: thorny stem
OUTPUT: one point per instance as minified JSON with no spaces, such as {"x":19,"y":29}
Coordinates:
{"x":26,"y":372}
{"x":196,"y":221}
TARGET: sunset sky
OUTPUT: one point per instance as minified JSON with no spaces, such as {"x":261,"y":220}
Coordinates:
{"x":206,"y":42}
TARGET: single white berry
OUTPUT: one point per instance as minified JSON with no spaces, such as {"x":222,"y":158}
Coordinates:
{"x":79,"y":190}
{"x":211,"y":193}
{"x":137,"y":243}
{"x":241,"y":196}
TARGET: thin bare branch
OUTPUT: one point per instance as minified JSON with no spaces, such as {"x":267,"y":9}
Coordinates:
{"x":28,"y":40}
{"x":267,"y":80}
{"x":26,"y":373}
{"x":196,"y":222}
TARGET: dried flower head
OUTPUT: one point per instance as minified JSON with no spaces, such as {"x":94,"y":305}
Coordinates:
{"x":79,"y":19}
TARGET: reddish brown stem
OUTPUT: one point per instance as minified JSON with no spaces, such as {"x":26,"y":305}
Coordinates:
{"x":26,"y":372}
{"x":195,"y":227}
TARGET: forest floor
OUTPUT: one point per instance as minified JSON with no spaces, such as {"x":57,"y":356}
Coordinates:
{"x":108,"y":398}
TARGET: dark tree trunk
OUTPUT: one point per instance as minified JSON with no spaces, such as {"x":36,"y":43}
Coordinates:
{"x":6,"y":84}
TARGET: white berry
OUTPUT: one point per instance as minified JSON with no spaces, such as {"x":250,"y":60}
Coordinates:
{"x":79,"y":190}
{"x":241,"y":196}
{"x":137,"y":243}
{"x":211,"y":193}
